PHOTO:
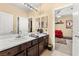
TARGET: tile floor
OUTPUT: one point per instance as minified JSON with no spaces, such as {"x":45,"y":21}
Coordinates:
{"x":65,"y":48}
{"x":60,"y":49}
{"x":53,"y":53}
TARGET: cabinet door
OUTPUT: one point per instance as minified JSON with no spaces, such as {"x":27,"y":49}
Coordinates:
{"x":21,"y":54}
{"x":10,"y":52}
{"x":41,"y":47}
{"x":33,"y":51}
{"x":46,"y":41}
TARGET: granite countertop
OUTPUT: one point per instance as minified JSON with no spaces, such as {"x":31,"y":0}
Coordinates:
{"x":10,"y":41}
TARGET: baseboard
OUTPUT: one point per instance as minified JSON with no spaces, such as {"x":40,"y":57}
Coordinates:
{"x":53,"y":46}
{"x":67,"y":38}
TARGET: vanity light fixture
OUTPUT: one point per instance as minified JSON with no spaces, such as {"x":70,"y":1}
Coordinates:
{"x":30,"y":6}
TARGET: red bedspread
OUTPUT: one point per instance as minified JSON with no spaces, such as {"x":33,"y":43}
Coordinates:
{"x":58,"y":34}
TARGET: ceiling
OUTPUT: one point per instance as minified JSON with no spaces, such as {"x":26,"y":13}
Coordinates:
{"x":27,"y":6}
{"x":64,"y":11}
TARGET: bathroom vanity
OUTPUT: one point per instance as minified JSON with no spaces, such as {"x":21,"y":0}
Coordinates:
{"x":25,"y":47}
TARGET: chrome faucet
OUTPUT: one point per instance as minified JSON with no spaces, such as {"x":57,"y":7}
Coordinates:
{"x":19,"y":34}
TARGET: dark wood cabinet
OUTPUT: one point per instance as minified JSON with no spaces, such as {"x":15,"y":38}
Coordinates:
{"x":46,"y":38}
{"x":41,"y":47}
{"x":11,"y":51}
{"x":31,"y":48}
{"x":33,"y":51}
{"x":23,"y":53}
{"x":34,"y":42}
{"x":28,"y":44}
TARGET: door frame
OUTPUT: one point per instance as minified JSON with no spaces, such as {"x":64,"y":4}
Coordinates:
{"x":53,"y":13}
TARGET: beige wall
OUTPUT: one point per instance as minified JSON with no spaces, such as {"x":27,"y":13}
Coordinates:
{"x":15,"y":11}
{"x":66,"y":32}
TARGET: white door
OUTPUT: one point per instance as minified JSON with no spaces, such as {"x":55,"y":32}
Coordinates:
{"x":75,"y":30}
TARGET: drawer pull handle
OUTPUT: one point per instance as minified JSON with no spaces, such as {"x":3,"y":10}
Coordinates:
{"x":44,"y":37}
{"x":8,"y":53}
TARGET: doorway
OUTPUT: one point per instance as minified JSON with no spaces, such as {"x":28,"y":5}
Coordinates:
{"x":63,"y":30}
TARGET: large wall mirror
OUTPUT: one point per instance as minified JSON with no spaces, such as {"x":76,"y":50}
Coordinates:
{"x":22,"y":25}
{"x":6,"y":23}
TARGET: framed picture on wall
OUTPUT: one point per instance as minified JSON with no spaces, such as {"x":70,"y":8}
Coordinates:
{"x":69,"y":24}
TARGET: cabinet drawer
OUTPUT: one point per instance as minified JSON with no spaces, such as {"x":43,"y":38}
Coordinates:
{"x":40,"y":39}
{"x":28,"y":44}
{"x":33,"y":51}
{"x":41,"y":47}
{"x":23,"y":46}
{"x":14,"y":50}
{"x":46,"y":37}
{"x":21,"y":54}
{"x":10,"y":52}
{"x":34,"y":41}
{"x":4,"y":53}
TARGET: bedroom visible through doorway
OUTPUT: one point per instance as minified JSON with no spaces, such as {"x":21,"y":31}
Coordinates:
{"x":63,"y":30}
